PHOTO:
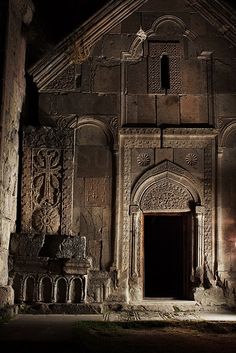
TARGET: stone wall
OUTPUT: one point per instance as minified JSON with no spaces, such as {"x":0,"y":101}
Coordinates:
{"x":18,"y":14}
{"x":130,"y":123}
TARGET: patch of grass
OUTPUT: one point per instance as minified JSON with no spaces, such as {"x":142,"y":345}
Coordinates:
{"x":119,"y":326}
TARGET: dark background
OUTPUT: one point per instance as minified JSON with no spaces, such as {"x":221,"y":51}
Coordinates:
{"x":55,"y":19}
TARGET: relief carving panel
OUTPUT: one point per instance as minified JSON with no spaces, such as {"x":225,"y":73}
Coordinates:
{"x":64,"y":81}
{"x":195,"y":148}
{"x":47,"y":181}
{"x":165,"y":196}
{"x":97,"y":192}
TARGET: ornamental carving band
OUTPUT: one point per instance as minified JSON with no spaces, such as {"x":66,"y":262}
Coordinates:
{"x":165,"y":195}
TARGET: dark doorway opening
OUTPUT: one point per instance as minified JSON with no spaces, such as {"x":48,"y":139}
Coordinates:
{"x":166,"y":256}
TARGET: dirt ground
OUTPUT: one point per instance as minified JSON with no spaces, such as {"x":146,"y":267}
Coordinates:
{"x":167,"y":337}
{"x":67,"y":334}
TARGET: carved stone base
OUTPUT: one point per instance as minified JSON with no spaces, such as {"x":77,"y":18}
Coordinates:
{"x":75,"y":267}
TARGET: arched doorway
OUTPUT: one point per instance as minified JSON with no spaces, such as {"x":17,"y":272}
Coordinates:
{"x":166,"y":241}
{"x":167,"y":255}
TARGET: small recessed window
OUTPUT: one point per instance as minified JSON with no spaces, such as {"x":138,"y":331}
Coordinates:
{"x":165,"y":72}
{"x":164,"y":67}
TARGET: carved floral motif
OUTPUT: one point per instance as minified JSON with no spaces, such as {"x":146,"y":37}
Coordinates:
{"x":165,"y":195}
{"x":46,"y":220}
{"x":143,"y":159}
{"x":191,"y":159}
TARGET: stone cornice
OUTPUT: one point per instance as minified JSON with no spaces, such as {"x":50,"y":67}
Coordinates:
{"x":219,"y":15}
{"x":82,"y":38}
{"x":76,"y":47}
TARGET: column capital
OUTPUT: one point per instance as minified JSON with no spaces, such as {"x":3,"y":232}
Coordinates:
{"x":200,"y":210}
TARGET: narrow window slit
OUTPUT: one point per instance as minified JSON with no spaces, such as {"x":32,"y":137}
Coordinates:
{"x":165,"y":72}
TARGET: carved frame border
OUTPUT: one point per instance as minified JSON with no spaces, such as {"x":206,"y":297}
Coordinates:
{"x":205,"y":213}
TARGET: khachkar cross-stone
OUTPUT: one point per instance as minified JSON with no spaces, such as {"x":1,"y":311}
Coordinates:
{"x":47,"y":177}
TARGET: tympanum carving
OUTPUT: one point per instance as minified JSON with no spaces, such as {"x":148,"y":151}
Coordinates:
{"x":165,"y":195}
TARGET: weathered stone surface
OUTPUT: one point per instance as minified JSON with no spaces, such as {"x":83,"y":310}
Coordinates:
{"x":137,"y":77}
{"x":106,"y":77}
{"x":132,"y":24}
{"x":76,"y":103}
{"x":12,"y":77}
{"x":168,"y":110}
{"x":226,"y":105}
{"x":28,"y":245}
{"x":75,"y":267}
{"x":113,"y":44}
{"x":72,"y":247}
{"x":141,"y":109}
{"x":150,"y":106}
{"x":93,"y":161}
{"x":193,"y":109}
{"x":163,"y":154}
{"x":6,"y":296}
{"x":164,"y":6}
{"x":192,"y":77}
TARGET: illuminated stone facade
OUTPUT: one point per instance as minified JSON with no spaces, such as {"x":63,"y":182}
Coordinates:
{"x":137,"y":128}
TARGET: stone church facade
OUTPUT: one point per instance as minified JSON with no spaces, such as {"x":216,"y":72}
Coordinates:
{"x":127,"y":183}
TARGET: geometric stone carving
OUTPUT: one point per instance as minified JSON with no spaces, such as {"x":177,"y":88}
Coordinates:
{"x":25,"y":245}
{"x":174,"y":52}
{"x":64,"y":81}
{"x":165,"y":195}
{"x":72,"y":247}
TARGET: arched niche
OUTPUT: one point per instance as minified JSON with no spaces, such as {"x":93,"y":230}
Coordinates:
{"x":46,"y":290}
{"x":17,"y":286}
{"x":61,"y":291}
{"x":93,"y":189}
{"x":166,"y":187}
{"x":227,"y":197}
{"x":228,"y":136}
{"x":76,"y":289}
{"x":29,"y":290}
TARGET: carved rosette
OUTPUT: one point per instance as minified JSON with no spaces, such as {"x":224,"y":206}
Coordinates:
{"x":165,"y":196}
{"x":143,"y":159}
{"x":46,"y":220}
{"x":191,"y":159}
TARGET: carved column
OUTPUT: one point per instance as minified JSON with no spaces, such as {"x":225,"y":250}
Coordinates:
{"x":134,"y":240}
{"x":207,"y":64}
{"x":200,"y":211}
{"x":219,"y":212}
